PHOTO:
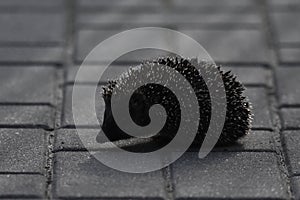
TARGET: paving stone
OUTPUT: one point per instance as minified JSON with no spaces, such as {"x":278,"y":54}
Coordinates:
{"x":89,"y":71}
{"x":247,"y":75}
{"x":161,"y":3}
{"x":171,"y":19}
{"x":296,"y":187}
{"x":26,"y":186}
{"x":253,"y":141}
{"x":287,"y":3}
{"x":229,"y":175}
{"x":29,"y":116}
{"x":232,"y":45}
{"x":291,"y":147}
{"x":68,"y":139}
{"x":113,"y":3}
{"x":32,"y":3}
{"x":31,"y":27}
{"x":27,"y":84}
{"x":88,"y":39}
{"x":290,"y":118}
{"x":31,"y":54}
{"x":84,"y":105}
{"x":287,"y":28}
{"x":261,"y":110}
{"x":289,"y":55}
{"x":251,"y":75}
{"x":22,"y":150}
{"x":287,"y":81}
{"x":78,"y":174}
{"x":249,"y":45}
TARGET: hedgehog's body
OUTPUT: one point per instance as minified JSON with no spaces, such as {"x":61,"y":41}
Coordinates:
{"x":237,"y":119}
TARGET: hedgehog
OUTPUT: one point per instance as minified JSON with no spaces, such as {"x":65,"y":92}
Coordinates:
{"x":238,"y":110}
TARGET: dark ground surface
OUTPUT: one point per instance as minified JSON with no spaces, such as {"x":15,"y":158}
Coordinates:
{"x":42,"y":43}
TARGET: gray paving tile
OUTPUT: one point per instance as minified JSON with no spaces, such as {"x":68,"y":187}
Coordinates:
{"x":289,"y":55}
{"x":253,"y":141}
{"x":32,"y":27}
{"x":296,"y":187}
{"x":287,"y":82}
{"x":252,"y":75}
{"x":262,"y":114}
{"x":32,"y":3}
{"x":232,"y":45}
{"x":22,"y":150}
{"x":229,"y":175}
{"x":68,"y":139}
{"x":84,"y":105}
{"x":17,"y":185}
{"x":286,"y":26}
{"x":249,"y":45}
{"x":88,"y":73}
{"x":78,"y":174}
{"x":167,"y":18}
{"x":31,"y":54}
{"x":247,"y":75}
{"x":27,"y":84}
{"x":161,"y":3}
{"x":290,"y":118}
{"x":291,"y":147}
{"x":88,"y":39}
{"x":38,"y":116}
{"x":113,"y":3}
{"x":287,"y":3}
{"x":216,"y":3}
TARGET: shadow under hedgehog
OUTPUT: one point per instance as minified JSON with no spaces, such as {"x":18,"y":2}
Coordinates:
{"x":237,"y":120}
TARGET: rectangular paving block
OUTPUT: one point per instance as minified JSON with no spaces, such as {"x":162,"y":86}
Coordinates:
{"x":286,"y":27}
{"x":88,"y":73}
{"x":31,"y":54}
{"x":27,"y":84}
{"x":22,"y":186}
{"x":253,"y":141}
{"x":167,"y":18}
{"x":74,"y":139}
{"x":83,"y":106}
{"x":295,"y":186}
{"x":244,"y":45}
{"x":32,"y":3}
{"x":287,"y":3}
{"x":229,"y":175}
{"x":88,"y":39}
{"x":247,"y":75}
{"x":287,"y":82}
{"x":22,"y":150}
{"x":247,"y":46}
{"x":26,"y":116}
{"x":290,"y":118}
{"x":291,"y":148}
{"x":259,"y":100}
{"x":163,"y":4}
{"x":80,"y":175}
{"x":77,"y":140}
{"x":252,"y":75}
{"x":289,"y":55}
{"x":32,"y":27}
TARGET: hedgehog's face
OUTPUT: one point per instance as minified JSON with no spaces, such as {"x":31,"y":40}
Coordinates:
{"x":138,"y":109}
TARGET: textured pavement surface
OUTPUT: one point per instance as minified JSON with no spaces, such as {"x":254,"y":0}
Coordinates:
{"x":42,"y":44}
